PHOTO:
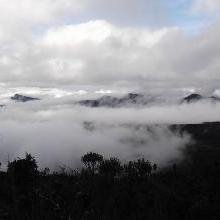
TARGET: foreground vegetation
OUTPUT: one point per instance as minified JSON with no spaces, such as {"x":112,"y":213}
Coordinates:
{"x":106,"y":189}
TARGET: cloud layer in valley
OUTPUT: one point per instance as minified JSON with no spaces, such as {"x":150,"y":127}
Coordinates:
{"x":60,"y":132}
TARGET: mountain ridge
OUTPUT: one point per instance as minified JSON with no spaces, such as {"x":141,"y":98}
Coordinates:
{"x":21,"y":98}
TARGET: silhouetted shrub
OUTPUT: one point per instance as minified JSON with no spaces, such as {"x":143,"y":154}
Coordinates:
{"x":106,"y":189}
{"x":23,"y":171}
{"x":92,"y":160}
{"x":139,"y":168}
{"x":110,"y":166}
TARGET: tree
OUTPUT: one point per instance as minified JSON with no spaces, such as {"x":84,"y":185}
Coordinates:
{"x":92,"y":160}
{"x":22,"y":174}
{"x":110,"y":166}
{"x":23,"y":171}
{"x":140,"y":168}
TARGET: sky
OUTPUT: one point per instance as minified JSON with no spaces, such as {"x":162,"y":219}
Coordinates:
{"x":117,"y":43}
{"x":67,"y":50}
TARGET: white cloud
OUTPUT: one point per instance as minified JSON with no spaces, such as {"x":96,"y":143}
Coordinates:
{"x":38,"y":48}
{"x":99,"y":31}
{"x":98,"y":52}
{"x":206,"y":6}
{"x":35,"y":12}
{"x":54,"y":130}
{"x":22,"y":14}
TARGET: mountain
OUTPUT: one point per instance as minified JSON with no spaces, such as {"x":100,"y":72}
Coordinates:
{"x":192,"y":98}
{"x":22,"y":98}
{"x":109,"y":101}
{"x":134,"y":99}
{"x":214,"y":98}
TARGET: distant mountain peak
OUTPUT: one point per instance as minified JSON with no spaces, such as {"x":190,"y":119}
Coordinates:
{"x":22,"y":98}
{"x":197,"y":97}
{"x":214,"y":98}
{"x":192,"y":98}
{"x":133,"y":95}
{"x":113,"y":102}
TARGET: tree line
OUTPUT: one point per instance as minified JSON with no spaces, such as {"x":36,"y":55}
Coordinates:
{"x":107,"y":189}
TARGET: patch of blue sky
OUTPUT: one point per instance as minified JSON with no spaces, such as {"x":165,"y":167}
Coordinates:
{"x":182,"y":16}
{"x":149,"y":14}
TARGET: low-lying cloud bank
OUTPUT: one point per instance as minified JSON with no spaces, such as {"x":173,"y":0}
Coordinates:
{"x":60,"y":132}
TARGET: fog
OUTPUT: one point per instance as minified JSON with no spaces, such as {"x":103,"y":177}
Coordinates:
{"x":57,"y":131}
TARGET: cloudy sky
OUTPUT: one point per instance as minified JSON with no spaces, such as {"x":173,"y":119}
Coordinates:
{"x":131,"y":43}
{"x":66,"y":48}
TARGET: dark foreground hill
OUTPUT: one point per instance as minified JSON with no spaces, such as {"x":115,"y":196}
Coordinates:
{"x":109,"y":190}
